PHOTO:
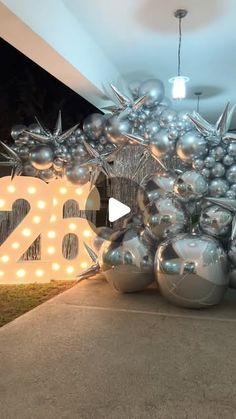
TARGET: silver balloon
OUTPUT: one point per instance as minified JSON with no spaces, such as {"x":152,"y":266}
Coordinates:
{"x":198,"y":164}
{"x":153,"y":90}
{"x":190,"y":186}
{"x":191,"y":146}
{"x":58,"y":164}
{"x":218,"y":153}
{"x":47,"y":175}
{"x":17,"y":130}
{"x":230,"y":194}
{"x":231,"y":174}
{"x":80,"y":152}
{"x":24,"y":152}
{"x":29,"y":170}
{"x":218,"y":170}
{"x":103,"y":234}
{"x":228,"y":160}
{"x":34,"y":128}
{"x":160,"y":145}
{"x":94,"y":125}
{"x":233,"y":187}
{"x":216,"y":221}
{"x":153,"y":187}
{"x":151,"y":128}
{"x":206,"y":172}
{"x":232,"y":252}
{"x":232,"y":149}
{"x":191,"y":271}
{"x":165,"y":217}
{"x":209,"y":162}
{"x":41,"y":157}
{"x":115,"y":127}
{"x":167,"y":117}
{"x":127,"y":261}
{"x":218,"y":187}
{"x":183,"y":117}
{"x":77,"y":174}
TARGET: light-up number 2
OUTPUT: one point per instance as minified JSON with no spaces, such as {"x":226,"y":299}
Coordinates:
{"x":45,"y":218}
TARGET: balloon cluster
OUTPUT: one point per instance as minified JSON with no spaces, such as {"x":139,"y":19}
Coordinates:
{"x":184,"y":232}
{"x":48,"y":155}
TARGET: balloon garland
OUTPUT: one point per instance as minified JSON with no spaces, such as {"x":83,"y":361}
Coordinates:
{"x":184,"y":232}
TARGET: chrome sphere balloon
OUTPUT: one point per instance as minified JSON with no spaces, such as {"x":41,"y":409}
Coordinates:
{"x":29,"y":170}
{"x":160,"y":145}
{"x":231,"y":174}
{"x":165,"y":217}
{"x":216,"y":221}
{"x":232,"y":149}
{"x":115,"y":126}
{"x":191,"y":270}
{"x":153,"y":90}
{"x":34,"y":128}
{"x":17,"y":130}
{"x":151,"y":128}
{"x":77,"y":175}
{"x":218,"y":187}
{"x":190,"y":186}
{"x":41,"y":157}
{"x":191,"y":146}
{"x":153,"y":187}
{"x":167,"y":117}
{"x":47,"y":175}
{"x":94,"y":125}
{"x":103,"y":234}
{"x":218,"y":170}
{"x":127,"y":261}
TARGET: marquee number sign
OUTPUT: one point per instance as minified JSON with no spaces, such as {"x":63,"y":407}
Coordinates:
{"x":45,"y":218}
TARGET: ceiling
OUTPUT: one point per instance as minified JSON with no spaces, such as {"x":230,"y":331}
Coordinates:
{"x":141,"y":37}
{"x":124,"y":40}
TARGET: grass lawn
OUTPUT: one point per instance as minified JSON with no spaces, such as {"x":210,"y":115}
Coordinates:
{"x":16,"y":300}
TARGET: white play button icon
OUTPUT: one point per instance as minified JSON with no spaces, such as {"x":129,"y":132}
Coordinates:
{"x":116,"y":209}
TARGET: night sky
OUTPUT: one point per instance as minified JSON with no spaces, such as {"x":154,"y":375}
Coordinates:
{"x":27,"y":90}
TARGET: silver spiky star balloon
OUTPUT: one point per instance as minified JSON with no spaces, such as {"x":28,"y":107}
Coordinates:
{"x":125,"y":104}
{"x":56,"y":137}
{"x":217,"y":131}
{"x":99,"y":162}
{"x":93,"y":269}
{"x":12,"y":160}
{"x":229,"y":204}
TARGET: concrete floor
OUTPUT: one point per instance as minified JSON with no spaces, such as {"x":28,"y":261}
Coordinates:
{"x":92,"y":353}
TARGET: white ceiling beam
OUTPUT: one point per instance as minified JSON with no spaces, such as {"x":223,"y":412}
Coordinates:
{"x":47,"y":33}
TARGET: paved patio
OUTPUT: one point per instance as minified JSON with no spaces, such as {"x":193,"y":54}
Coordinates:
{"x":93,"y":353}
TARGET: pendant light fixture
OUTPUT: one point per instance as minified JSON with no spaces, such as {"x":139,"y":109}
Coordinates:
{"x":198,"y":94}
{"x":179,"y":81}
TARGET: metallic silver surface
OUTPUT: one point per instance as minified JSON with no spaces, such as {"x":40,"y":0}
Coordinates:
{"x":153,"y":187}
{"x":165,"y":217}
{"x":41,"y":157}
{"x":191,"y":146}
{"x":191,"y":271}
{"x":127,"y":261}
{"x":216,"y":221}
{"x":190,"y":186}
{"x":153,"y":90}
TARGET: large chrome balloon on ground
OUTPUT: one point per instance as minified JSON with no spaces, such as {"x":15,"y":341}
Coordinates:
{"x":191,"y":271}
{"x":127,"y":261}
